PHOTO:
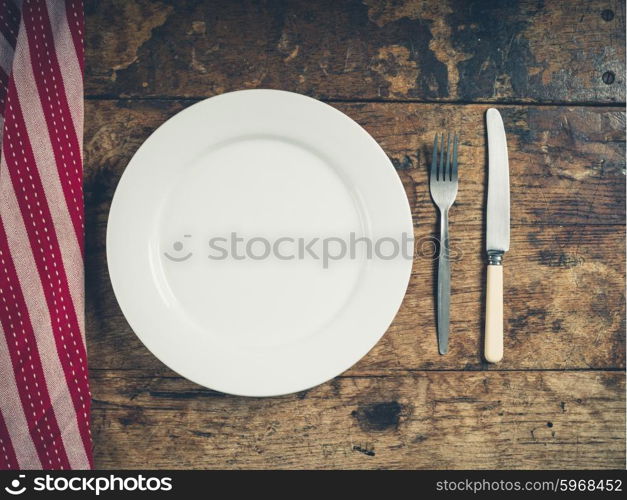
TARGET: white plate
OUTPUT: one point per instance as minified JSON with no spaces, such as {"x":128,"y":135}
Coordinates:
{"x":269,"y":164}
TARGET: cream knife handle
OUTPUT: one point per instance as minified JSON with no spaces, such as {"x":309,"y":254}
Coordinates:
{"x":493,"y":350}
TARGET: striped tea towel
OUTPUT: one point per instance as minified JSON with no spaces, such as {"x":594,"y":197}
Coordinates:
{"x":44,"y":390}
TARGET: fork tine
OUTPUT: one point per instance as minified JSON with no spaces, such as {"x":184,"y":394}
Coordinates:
{"x":441,"y":168}
{"x":454,"y":166}
{"x":434,"y":161}
{"x":447,"y":171}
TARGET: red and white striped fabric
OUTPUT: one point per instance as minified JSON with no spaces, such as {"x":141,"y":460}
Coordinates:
{"x":44,"y":391}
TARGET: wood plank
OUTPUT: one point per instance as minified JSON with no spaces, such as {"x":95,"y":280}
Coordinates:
{"x":539,"y":51}
{"x":565,"y":285}
{"x":564,"y":306}
{"x":443,"y":420}
{"x":567,"y":164}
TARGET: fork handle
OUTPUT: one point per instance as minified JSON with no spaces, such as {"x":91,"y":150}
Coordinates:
{"x":444,"y":285}
{"x":493,"y":349}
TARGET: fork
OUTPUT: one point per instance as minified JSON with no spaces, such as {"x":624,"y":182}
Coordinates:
{"x":443,"y":187}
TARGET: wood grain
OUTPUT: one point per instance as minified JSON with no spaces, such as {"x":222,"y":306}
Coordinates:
{"x":443,"y":420}
{"x":564,"y":283}
{"x":527,"y":50}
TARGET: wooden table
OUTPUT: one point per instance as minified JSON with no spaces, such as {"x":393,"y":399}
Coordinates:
{"x":403,"y":69}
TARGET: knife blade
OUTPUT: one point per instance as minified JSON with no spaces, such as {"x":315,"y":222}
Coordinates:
{"x":497,"y":237}
{"x":497,"y":233}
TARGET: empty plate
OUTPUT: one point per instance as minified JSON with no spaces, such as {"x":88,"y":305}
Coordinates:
{"x":254,"y":242}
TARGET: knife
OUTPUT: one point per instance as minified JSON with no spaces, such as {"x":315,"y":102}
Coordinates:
{"x":497,"y":235}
